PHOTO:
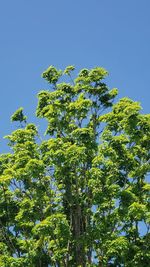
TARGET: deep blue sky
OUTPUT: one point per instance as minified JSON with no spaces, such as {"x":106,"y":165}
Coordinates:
{"x":35,"y":34}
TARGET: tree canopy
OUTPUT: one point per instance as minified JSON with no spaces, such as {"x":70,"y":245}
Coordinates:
{"x":80,"y":195}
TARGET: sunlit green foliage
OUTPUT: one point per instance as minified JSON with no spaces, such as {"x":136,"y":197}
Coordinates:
{"x":18,"y":116}
{"x":80,"y":196}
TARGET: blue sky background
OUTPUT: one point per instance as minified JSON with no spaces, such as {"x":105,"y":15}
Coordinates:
{"x":35,"y":34}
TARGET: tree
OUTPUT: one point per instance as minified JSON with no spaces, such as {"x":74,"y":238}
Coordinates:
{"x":79,"y":196}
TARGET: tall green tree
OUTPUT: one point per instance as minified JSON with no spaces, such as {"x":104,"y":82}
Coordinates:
{"x":80,"y":195}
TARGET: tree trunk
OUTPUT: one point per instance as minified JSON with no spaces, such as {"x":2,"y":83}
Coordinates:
{"x":78,"y":225}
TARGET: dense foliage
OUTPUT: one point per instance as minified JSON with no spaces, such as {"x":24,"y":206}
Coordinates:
{"x":80,"y":196}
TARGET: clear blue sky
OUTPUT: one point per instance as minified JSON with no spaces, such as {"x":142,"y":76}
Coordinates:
{"x":35,"y":34}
